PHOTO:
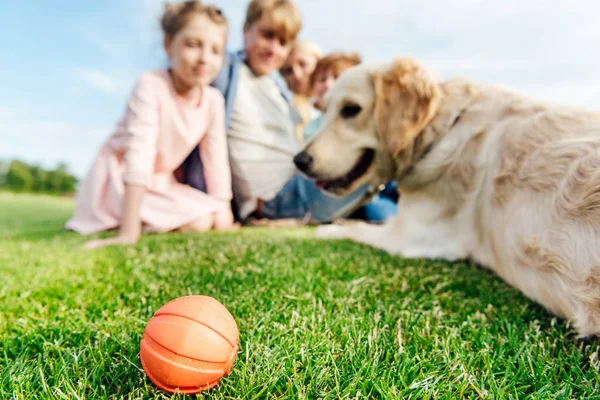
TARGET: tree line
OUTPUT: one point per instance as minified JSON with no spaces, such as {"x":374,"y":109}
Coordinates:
{"x":20,"y":176}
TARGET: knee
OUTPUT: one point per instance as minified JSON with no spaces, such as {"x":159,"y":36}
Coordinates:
{"x":219,"y":221}
{"x":223,"y":220}
{"x":200,"y":225}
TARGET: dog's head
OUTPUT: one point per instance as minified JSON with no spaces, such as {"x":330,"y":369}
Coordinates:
{"x":372,"y":115}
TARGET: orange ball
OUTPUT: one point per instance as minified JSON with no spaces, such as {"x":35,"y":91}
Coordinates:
{"x":189,"y":344}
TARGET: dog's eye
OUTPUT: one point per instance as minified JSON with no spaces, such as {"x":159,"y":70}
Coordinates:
{"x":350,"y":110}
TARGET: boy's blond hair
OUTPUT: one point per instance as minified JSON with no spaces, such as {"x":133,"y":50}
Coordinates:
{"x":284,"y":15}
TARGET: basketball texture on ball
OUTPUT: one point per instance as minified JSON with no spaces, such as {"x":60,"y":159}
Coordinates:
{"x":189,"y":344}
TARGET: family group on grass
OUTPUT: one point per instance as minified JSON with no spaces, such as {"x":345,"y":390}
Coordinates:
{"x":209,"y":142}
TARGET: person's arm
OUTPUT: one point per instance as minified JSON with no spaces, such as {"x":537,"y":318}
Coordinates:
{"x":131,"y":223}
{"x":130,"y":230}
{"x":215,"y":156}
{"x":141,"y":125}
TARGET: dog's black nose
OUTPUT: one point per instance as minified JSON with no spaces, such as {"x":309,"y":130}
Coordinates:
{"x":303,"y":162}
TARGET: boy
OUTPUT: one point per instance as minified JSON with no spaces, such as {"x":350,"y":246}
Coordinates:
{"x":261,"y":122}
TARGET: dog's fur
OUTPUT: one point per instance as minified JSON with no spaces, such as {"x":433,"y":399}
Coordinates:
{"x":484,"y":173}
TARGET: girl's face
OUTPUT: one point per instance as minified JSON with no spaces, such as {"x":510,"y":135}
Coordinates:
{"x":323,"y":83}
{"x":297,"y":70}
{"x":196,"y":52}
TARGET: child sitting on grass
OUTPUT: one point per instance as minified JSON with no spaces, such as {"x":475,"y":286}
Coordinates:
{"x":328,"y":69}
{"x":297,"y":71}
{"x":131,"y":185}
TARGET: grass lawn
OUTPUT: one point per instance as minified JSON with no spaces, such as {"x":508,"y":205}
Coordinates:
{"x":316,"y":319}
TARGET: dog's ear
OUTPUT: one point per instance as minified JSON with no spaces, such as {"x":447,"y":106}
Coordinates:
{"x":406,"y":100}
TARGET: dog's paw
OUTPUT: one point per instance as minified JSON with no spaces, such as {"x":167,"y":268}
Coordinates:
{"x":332,"y":232}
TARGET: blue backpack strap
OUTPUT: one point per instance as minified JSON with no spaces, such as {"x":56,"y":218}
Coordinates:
{"x":226,"y":83}
{"x":227,"y":80}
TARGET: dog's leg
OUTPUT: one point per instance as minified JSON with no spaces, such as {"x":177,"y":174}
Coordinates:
{"x":441,"y":240}
{"x":378,"y":236}
{"x":410,"y":235}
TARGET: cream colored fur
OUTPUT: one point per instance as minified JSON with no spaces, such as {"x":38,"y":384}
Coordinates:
{"x":484,"y":173}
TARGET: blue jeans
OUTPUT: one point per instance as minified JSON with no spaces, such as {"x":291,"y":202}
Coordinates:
{"x":382,"y":206}
{"x":379,"y":209}
{"x":300,"y":197}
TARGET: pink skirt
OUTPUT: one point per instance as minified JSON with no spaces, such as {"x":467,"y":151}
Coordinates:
{"x":166,"y":206}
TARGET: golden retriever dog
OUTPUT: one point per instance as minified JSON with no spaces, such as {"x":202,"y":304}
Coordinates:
{"x":484,"y":174}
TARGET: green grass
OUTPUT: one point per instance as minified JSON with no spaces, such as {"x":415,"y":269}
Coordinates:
{"x":317,"y":319}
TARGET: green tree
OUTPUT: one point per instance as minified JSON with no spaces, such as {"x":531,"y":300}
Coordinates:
{"x":60,"y":180}
{"x":18,"y":177}
{"x":39,"y":176}
{"x":3,"y":170}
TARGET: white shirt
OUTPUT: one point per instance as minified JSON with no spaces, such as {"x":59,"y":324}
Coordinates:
{"x":262,"y":141}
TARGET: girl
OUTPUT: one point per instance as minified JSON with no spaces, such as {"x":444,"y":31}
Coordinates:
{"x":328,"y":69}
{"x":131,"y":184}
{"x":296,"y":71}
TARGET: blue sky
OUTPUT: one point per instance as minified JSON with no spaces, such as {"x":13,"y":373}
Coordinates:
{"x":68,"y":66}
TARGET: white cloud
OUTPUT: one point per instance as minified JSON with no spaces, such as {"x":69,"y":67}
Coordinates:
{"x":543,"y":47}
{"x":99,"y":80}
{"x":115,"y":59}
{"x":48,"y":141}
{"x":109,"y":47}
